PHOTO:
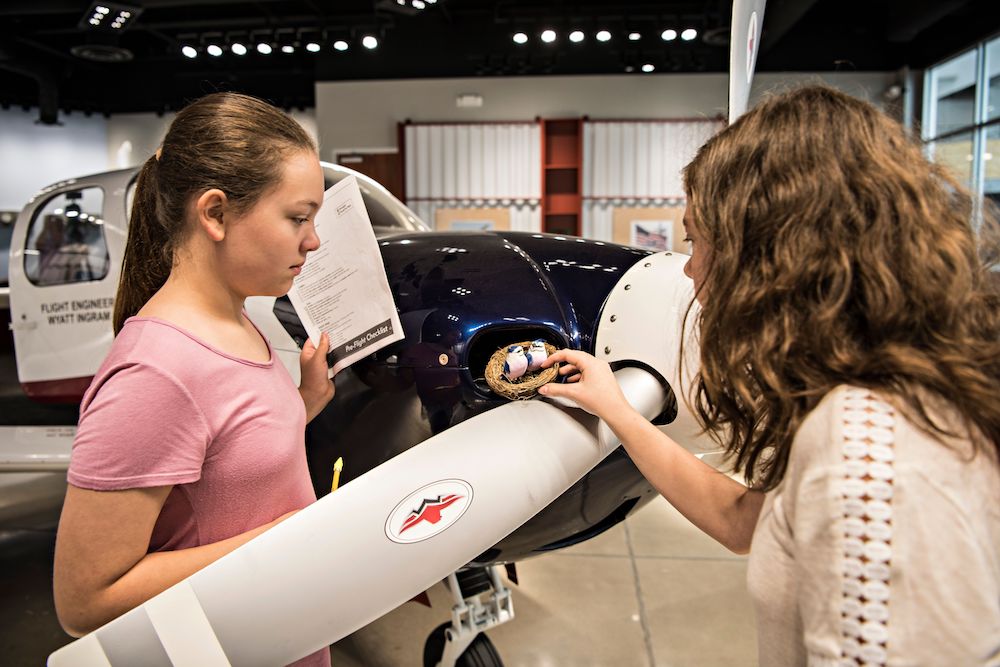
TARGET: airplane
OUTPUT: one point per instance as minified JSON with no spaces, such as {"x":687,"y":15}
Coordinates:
{"x":453,"y":293}
{"x":413,"y":405}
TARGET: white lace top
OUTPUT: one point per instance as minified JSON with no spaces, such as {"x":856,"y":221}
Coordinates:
{"x":880,"y":547}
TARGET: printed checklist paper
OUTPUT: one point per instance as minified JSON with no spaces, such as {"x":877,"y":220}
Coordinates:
{"x":342,"y":289}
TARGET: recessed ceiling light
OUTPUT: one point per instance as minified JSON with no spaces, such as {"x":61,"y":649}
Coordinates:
{"x":689,"y":34}
{"x":312,"y":47}
{"x":576,"y":36}
{"x":418,"y":4}
{"x":520,"y":38}
{"x":548,"y":36}
{"x":109,"y":16}
{"x":668,"y":35}
{"x":603,"y":36}
{"x":634,"y":37}
{"x":214,"y":50}
{"x":189,"y":51}
{"x":648,"y":67}
{"x":238,"y":48}
{"x":264,"y":48}
{"x":340,"y":45}
{"x":369,"y":42}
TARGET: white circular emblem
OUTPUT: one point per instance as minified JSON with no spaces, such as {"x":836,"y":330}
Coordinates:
{"x":751,"y":44}
{"x":428,"y":511}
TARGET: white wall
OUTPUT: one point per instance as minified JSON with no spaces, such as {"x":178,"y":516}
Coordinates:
{"x":363,"y":115}
{"x":133,"y":137}
{"x":359,"y":115}
{"x":33,"y":156}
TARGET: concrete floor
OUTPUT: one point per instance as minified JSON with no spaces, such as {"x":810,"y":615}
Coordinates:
{"x":653,"y":591}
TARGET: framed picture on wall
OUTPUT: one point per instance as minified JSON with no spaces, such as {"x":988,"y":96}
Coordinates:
{"x":652,"y":234}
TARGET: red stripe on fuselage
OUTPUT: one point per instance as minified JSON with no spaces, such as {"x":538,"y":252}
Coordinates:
{"x":70,"y":390}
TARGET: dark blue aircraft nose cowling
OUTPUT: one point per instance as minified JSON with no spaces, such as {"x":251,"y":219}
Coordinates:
{"x":460,"y":297}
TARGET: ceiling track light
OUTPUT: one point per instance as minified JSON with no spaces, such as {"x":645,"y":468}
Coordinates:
{"x":108,"y":16}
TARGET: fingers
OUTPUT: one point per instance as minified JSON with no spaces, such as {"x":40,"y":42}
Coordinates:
{"x":324,"y":344}
{"x":555,"y":390}
{"x":313,"y":353}
{"x":572,"y":358}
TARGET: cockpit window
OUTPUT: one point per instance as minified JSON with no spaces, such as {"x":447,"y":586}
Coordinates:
{"x":7,"y":219}
{"x":66,"y":242}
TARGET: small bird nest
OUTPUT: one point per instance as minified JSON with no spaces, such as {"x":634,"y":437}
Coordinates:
{"x":525,"y":386}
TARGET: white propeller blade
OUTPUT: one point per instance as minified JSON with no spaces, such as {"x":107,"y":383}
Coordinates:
{"x":377,"y":542}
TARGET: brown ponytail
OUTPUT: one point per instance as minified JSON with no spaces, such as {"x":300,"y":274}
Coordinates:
{"x":148,"y":251}
{"x":228,"y":141}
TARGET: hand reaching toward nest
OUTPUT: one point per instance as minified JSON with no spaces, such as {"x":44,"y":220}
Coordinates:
{"x":590,"y":383}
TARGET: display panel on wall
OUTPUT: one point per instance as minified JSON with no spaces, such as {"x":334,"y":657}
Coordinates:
{"x":632,"y":170}
{"x":571,"y":176}
{"x":471,"y":166}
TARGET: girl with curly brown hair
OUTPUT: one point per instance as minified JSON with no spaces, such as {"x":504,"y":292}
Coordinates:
{"x":850,"y":365}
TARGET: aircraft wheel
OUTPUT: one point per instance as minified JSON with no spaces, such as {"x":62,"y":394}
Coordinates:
{"x":481,"y":653}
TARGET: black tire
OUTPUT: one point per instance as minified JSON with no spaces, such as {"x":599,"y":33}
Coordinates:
{"x":481,"y":653}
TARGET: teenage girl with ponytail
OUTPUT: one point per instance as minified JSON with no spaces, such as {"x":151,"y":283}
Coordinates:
{"x":191,"y":436}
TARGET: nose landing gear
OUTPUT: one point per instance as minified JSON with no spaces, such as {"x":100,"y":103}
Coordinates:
{"x":462,"y":643}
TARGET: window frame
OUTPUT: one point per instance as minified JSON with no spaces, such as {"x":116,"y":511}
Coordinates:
{"x":981,"y":123}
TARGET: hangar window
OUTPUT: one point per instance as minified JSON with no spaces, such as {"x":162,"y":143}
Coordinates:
{"x":66,"y":241}
{"x":961,"y":126}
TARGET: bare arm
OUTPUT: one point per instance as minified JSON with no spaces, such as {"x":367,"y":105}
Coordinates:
{"x":102,"y":569}
{"x":720,"y":506}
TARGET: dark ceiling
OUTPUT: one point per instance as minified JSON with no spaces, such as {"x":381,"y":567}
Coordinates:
{"x":51,"y":58}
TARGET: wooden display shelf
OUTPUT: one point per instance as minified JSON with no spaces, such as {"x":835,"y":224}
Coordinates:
{"x":562,"y":154}
{"x":568,"y":204}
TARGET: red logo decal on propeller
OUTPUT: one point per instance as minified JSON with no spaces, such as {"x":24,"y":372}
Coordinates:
{"x":429,"y":511}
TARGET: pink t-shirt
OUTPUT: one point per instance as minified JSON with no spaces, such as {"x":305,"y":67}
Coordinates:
{"x":166,"y":408}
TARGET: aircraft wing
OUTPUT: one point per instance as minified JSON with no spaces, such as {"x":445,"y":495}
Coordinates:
{"x":35,"y":448}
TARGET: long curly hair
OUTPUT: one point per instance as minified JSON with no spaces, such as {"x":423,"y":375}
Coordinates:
{"x":838,"y":254}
